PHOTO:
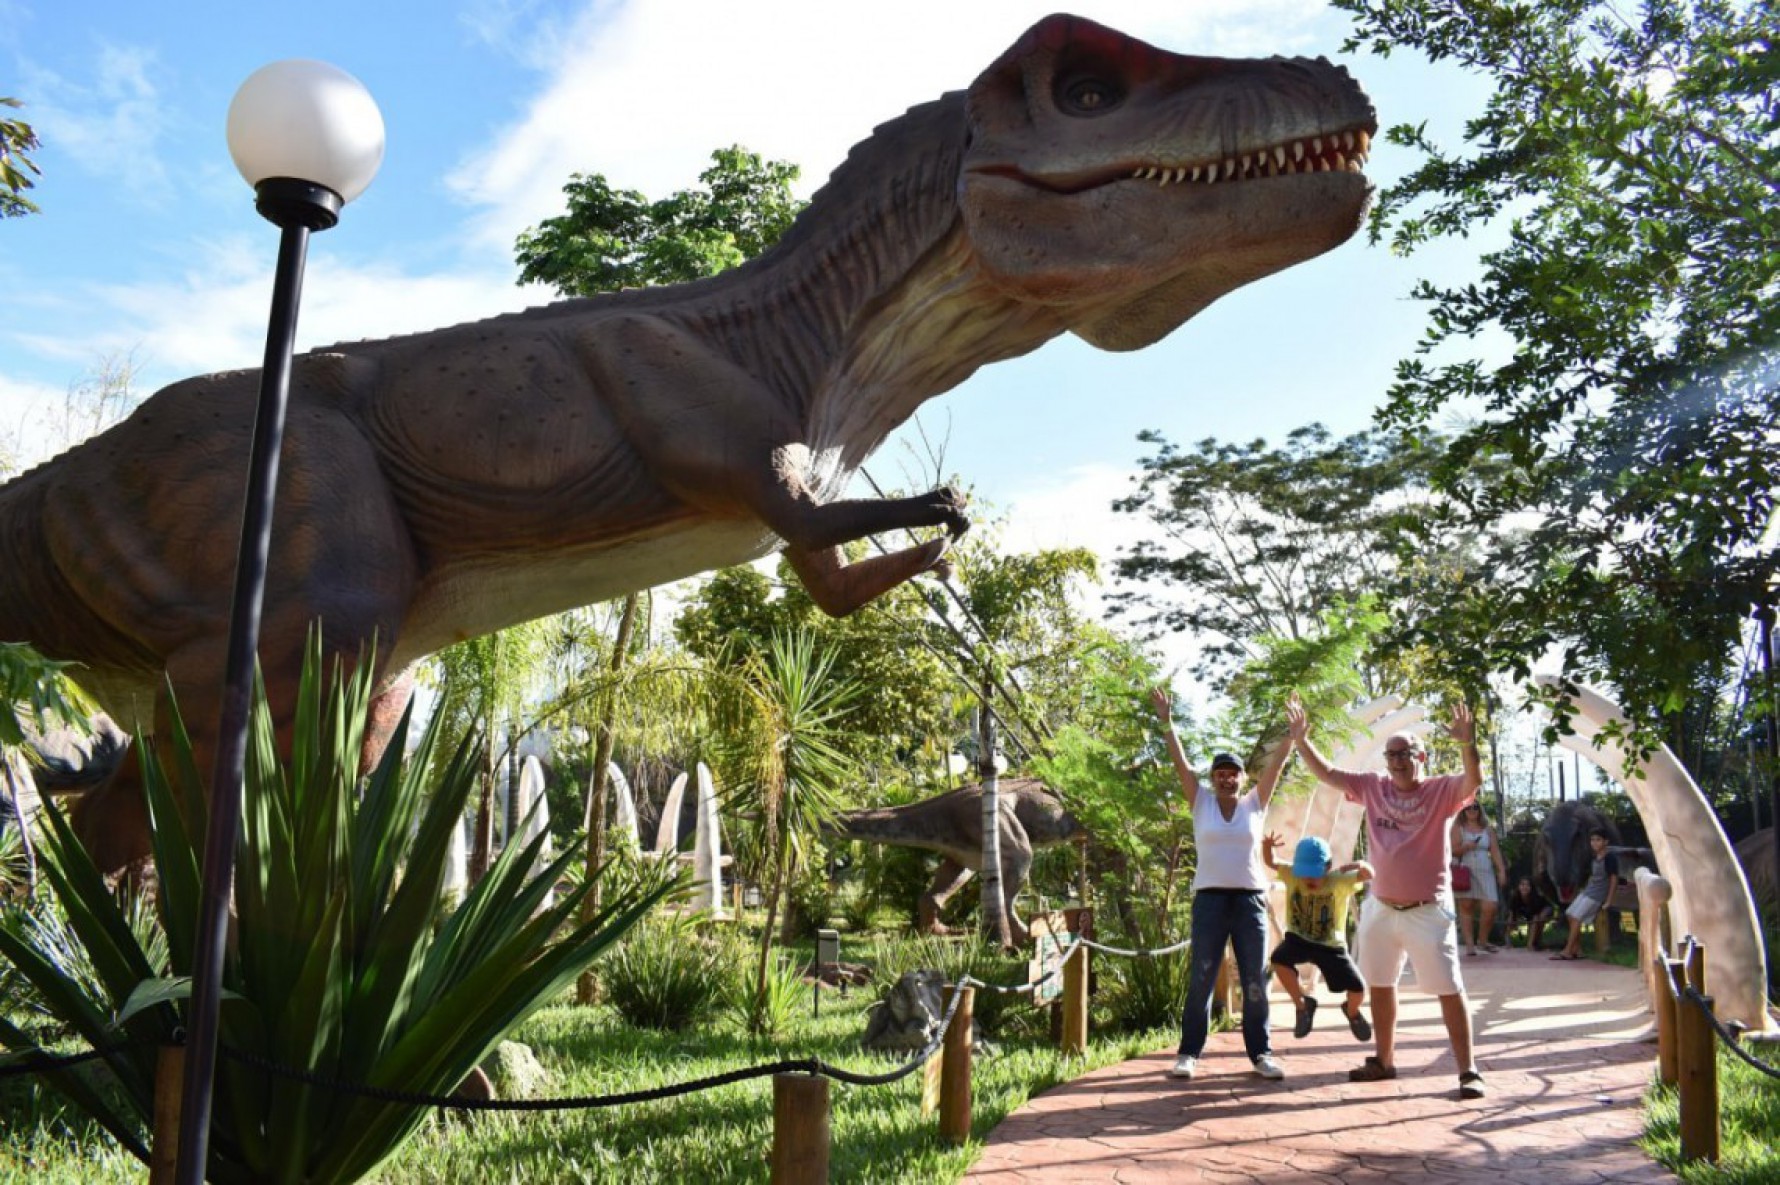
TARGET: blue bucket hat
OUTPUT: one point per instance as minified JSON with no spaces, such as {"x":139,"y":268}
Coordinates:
{"x":1312,"y":858}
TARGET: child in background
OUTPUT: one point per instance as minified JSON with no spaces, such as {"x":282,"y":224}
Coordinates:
{"x":1317,"y":901}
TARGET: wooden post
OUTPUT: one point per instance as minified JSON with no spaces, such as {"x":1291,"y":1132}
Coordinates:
{"x":1697,"y":1068}
{"x":800,"y":1129}
{"x":1668,"y":988}
{"x":163,"y":1157}
{"x":1075,"y":1003}
{"x":954,"y":1072}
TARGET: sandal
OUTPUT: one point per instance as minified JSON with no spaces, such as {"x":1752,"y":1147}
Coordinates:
{"x":1490,"y":949}
{"x":1470,"y":1085}
{"x":1563,"y":958}
{"x":1372,"y":1070}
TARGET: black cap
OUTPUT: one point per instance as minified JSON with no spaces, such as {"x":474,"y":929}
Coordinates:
{"x":1225,"y":761}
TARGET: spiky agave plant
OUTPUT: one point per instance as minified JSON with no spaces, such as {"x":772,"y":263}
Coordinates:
{"x":344,"y":965}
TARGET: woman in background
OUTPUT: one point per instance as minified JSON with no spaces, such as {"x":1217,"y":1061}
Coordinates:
{"x":1474,"y":846}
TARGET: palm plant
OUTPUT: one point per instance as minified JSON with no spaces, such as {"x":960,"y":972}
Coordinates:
{"x":35,"y":690}
{"x":346,"y":966}
{"x":782,"y":752}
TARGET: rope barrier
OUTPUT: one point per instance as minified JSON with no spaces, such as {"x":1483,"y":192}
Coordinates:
{"x":807,"y":1065}
{"x":1727,"y":1035}
{"x":1157,"y":952}
{"x":1032,"y":985}
{"x":39,"y":1061}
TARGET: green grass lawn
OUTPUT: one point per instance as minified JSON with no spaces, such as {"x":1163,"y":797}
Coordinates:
{"x":1749,"y":1110}
{"x":722,"y":1135}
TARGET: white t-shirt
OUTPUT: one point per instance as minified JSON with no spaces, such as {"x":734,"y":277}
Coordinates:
{"x":1229,"y":850}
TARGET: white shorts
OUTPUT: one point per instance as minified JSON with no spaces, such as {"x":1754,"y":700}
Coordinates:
{"x":1583,"y":909}
{"x":1424,"y":934}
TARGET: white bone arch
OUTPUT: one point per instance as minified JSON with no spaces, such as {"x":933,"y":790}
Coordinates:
{"x":1711,"y":898}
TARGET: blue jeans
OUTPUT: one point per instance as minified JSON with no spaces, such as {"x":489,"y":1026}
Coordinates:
{"x":1237,"y":918}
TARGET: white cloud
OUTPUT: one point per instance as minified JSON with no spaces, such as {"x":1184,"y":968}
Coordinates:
{"x":113,"y":126}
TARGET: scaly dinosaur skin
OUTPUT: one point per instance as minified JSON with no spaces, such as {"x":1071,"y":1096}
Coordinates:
{"x":951,"y":824}
{"x":443,"y":485}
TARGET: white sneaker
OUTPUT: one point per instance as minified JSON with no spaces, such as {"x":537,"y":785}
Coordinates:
{"x":1184,"y":1067}
{"x":1267,"y":1067}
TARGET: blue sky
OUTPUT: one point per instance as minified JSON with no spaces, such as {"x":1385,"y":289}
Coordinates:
{"x":148,"y":246}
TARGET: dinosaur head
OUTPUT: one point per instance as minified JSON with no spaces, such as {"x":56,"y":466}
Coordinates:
{"x":1128,"y":187}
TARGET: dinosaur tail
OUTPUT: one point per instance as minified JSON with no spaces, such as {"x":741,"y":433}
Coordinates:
{"x":878,"y":825}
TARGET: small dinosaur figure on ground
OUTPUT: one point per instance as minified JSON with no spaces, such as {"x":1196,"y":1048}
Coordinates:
{"x":443,"y":485}
{"x":951,"y":824}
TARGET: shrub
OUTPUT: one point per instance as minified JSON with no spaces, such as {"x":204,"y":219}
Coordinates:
{"x":1149,"y":993}
{"x":345,"y":964}
{"x":666,"y":976}
{"x":770,"y":1011}
{"x":955,"y":957}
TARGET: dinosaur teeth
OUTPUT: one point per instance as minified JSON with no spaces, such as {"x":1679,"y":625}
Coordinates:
{"x":1339,"y":152}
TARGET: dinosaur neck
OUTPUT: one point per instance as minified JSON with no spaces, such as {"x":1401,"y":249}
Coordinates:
{"x":872,"y":303}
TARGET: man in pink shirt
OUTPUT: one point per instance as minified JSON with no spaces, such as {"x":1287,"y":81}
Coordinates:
{"x":1407,"y":914}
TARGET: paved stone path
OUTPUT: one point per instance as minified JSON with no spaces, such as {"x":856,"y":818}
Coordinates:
{"x":1559,"y":1044}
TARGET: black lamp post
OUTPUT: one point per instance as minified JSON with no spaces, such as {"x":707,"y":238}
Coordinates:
{"x":308,"y":137}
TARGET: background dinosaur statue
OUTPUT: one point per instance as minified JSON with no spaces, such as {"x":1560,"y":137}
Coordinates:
{"x":951,"y":824}
{"x":438,"y":486}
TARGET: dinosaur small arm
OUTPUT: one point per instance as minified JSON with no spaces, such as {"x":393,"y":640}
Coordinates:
{"x":443,"y":485}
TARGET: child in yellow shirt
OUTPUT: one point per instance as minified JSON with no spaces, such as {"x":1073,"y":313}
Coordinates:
{"x":1317,"y":901}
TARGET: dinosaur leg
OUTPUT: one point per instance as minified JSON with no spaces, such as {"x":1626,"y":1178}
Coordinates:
{"x":838,"y":588}
{"x":946,"y":881}
{"x":717,"y":438}
{"x":1015,"y":868}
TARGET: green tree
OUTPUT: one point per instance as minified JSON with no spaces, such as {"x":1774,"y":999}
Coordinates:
{"x":740,"y":610}
{"x":618,"y":238}
{"x":1259,"y":541}
{"x":483,"y":684}
{"x":782,"y":756}
{"x":1622,"y":465}
{"x":17,"y":142}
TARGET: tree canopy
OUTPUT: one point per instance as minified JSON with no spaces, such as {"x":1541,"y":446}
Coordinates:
{"x":17,"y":142}
{"x":617,"y":238}
{"x":1259,"y":541}
{"x":1620,"y":461}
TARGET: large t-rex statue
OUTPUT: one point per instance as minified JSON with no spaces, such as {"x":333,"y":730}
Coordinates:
{"x":442,"y":485}
{"x":951,"y":824}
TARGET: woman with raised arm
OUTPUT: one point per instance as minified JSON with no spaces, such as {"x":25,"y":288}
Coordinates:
{"x":1229,"y":895}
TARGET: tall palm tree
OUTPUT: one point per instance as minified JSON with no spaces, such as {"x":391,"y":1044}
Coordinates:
{"x":782,"y":754}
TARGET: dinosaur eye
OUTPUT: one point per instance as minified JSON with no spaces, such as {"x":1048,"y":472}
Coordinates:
{"x":1088,"y":95}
